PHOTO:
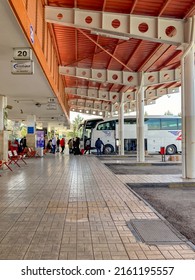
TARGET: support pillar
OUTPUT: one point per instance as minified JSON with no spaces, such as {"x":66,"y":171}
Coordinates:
{"x":188,"y":115}
{"x":3,"y":132}
{"x":31,"y":131}
{"x":140,"y":125}
{"x":121,"y":128}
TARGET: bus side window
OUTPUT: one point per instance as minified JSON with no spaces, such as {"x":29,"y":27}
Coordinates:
{"x":179,"y":123}
{"x":153,"y":124}
{"x":169,"y":124}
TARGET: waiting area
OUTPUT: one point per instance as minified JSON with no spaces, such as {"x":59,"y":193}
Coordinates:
{"x":73,"y":207}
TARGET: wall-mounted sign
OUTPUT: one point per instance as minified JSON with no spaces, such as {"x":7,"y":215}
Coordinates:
{"x":22,"y":54}
{"x":30,"y":130}
{"x":51,"y":106}
{"x":51,"y":100}
{"x":22,"y":67}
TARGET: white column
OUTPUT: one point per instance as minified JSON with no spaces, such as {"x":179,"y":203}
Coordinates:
{"x":3,"y":132}
{"x":3,"y":104}
{"x":188,"y":115}
{"x":31,"y":131}
{"x":140,"y":122}
{"x":141,"y":126}
{"x":121,"y":127}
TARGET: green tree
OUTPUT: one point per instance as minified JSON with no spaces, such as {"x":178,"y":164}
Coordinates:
{"x":75,"y":126}
{"x":168,"y":113}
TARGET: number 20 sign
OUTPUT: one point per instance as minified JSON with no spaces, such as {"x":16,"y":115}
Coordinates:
{"x":22,"y":54}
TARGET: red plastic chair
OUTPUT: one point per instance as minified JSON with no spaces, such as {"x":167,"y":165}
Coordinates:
{"x":3,"y":162}
{"x":13,"y":159}
{"x":20,"y":157}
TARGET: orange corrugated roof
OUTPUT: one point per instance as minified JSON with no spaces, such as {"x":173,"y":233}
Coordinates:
{"x":75,"y":48}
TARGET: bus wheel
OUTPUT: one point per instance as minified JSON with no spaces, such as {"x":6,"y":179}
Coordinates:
{"x":171,"y":150}
{"x":108,"y":149}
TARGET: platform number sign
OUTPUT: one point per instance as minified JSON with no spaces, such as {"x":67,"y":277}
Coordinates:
{"x":22,"y":54}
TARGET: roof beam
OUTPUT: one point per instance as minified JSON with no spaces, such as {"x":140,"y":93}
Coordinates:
{"x":165,"y":4}
{"x":118,"y":25}
{"x":102,"y":108}
{"x":83,"y":110}
{"x":108,"y":97}
{"x":90,"y":104}
{"x":153,"y":57}
{"x":93,"y":109}
{"x":104,"y":49}
{"x":130,"y":79}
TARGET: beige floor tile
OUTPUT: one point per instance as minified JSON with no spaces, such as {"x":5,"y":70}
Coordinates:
{"x":74,"y":208}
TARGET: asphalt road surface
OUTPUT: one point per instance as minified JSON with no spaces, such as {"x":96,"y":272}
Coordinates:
{"x":176,"y":205}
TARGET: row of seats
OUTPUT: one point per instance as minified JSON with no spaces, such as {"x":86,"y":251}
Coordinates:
{"x":15,"y":158}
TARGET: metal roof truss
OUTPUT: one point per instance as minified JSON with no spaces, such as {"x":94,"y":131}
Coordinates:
{"x":131,"y":79}
{"x":122,"y":26}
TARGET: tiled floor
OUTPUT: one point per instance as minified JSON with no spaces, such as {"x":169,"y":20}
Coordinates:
{"x":73,"y":207}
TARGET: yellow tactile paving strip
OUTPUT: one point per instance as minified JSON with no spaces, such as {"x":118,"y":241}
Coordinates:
{"x":73,"y":207}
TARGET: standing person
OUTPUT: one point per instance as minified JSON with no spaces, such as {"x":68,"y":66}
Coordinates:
{"x":49,"y":146}
{"x":87,"y":146}
{"x":70,"y":145}
{"x":23,"y":142}
{"x":62,"y":144}
{"x":77,"y":146}
{"x":98,"y":145}
{"x":53,"y":144}
{"x":58,"y":145}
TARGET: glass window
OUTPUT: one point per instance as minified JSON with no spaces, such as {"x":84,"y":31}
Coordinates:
{"x":110,"y":125}
{"x":169,"y":124}
{"x":179,"y":123}
{"x":153,"y":124}
{"x":92,"y":123}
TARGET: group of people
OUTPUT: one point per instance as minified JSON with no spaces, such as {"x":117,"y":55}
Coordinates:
{"x":74,"y":146}
{"x":54,"y":145}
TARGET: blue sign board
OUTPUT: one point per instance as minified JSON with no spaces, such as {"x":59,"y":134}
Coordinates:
{"x":30,"y":129}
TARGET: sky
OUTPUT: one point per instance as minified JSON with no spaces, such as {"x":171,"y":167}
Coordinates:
{"x":171,"y":102}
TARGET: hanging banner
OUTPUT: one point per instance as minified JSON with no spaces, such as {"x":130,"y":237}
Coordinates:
{"x":40,"y":139}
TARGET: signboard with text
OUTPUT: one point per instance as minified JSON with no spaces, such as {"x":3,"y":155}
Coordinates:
{"x":22,"y":67}
{"x":22,"y":54}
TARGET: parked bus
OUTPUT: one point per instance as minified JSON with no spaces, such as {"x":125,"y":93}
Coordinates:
{"x":159,"y":131}
{"x":86,"y":129}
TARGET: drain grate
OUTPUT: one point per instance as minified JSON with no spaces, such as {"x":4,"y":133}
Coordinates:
{"x":153,"y":232}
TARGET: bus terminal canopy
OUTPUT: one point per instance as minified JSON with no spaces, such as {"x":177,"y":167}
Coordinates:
{"x":105,"y":56}
{"x":104,"y":46}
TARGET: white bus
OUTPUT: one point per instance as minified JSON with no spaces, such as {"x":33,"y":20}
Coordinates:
{"x":159,"y":131}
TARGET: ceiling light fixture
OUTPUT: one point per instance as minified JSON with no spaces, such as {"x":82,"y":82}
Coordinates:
{"x":110,"y":35}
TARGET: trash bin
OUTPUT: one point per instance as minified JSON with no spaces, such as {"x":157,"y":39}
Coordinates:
{"x":40,"y":151}
{"x":162,"y":152}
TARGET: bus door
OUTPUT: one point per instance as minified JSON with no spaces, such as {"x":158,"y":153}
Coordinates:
{"x":130,"y":136}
